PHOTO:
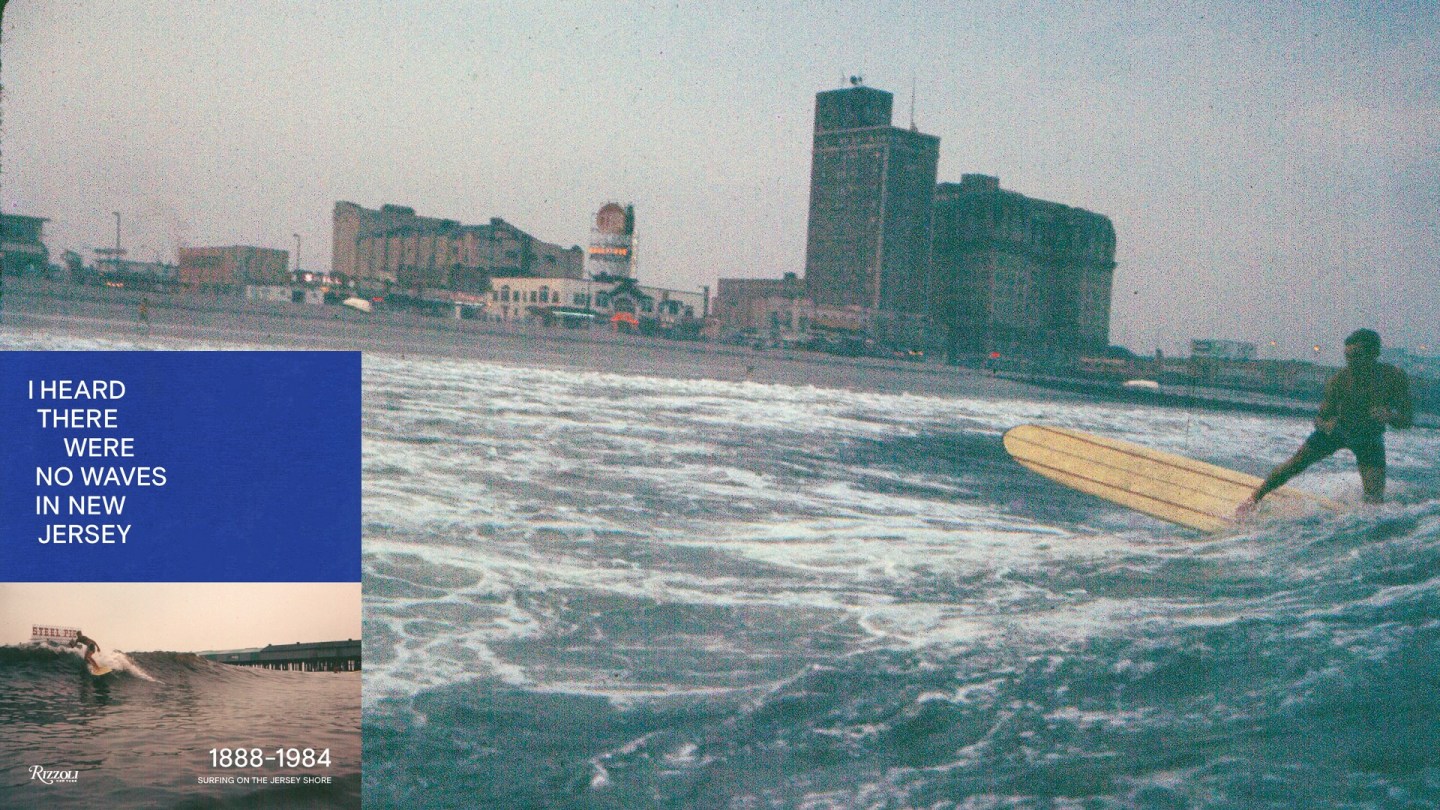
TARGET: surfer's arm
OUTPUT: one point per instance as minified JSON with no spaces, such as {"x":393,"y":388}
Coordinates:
{"x":1329,"y":416}
{"x":1397,"y":409}
{"x":1401,"y":405}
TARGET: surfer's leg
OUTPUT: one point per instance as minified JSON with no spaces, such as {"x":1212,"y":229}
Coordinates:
{"x":1281,"y":474}
{"x":1313,"y":450}
{"x":1370,"y":460}
{"x":1372,"y":479}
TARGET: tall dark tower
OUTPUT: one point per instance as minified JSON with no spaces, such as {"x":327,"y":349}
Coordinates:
{"x":872,"y":187}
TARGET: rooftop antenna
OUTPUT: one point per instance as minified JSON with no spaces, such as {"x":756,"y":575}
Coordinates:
{"x":913,"y":128}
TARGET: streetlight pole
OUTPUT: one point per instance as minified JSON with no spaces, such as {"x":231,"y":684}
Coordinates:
{"x":117,"y":236}
{"x":297,"y":256}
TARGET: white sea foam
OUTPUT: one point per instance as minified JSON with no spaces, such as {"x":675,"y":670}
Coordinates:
{"x":550,"y":468}
{"x":115,"y":659}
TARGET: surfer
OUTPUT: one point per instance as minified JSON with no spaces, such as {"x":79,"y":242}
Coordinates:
{"x":1359,"y":402}
{"x":90,"y":648}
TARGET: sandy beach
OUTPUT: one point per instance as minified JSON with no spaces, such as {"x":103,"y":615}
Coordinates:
{"x":175,"y":321}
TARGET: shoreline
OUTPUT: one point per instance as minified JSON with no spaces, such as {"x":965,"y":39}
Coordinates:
{"x":54,"y":306}
{"x":37,"y":305}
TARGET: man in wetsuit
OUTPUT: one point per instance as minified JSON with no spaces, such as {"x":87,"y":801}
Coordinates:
{"x":1359,"y":402}
{"x":90,"y":648}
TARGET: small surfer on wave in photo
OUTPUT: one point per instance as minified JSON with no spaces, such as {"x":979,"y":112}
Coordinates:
{"x":1359,"y":401}
{"x":90,"y":648}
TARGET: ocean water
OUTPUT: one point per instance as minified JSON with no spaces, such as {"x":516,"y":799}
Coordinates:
{"x":600,"y":591}
{"x":591,"y":590}
{"x":141,"y":735}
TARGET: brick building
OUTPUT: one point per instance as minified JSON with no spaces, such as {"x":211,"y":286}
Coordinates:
{"x":393,"y":247}
{"x":229,"y":269}
{"x":872,"y":187}
{"x":754,"y":303}
{"x":1019,"y":275}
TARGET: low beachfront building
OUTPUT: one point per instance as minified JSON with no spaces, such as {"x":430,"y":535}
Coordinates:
{"x":747,"y":305}
{"x":575,"y":302}
{"x":117,"y":272}
{"x":22,"y":245}
{"x":284,"y":293}
{"x":232,"y":268}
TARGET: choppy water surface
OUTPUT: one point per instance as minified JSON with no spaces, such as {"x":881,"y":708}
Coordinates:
{"x":588,"y":590}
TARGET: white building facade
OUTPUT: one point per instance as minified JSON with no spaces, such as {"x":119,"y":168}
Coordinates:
{"x":545,"y":300}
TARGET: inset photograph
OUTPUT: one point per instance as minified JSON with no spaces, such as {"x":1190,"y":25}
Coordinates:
{"x":180,"y":694}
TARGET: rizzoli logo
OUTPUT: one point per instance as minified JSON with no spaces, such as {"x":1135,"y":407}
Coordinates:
{"x":50,"y":777}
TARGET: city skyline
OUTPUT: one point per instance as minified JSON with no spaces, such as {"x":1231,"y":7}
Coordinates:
{"x":1272,"y":173}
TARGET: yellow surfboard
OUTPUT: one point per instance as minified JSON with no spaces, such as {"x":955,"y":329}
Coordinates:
{"x":1163,"y":485}
{"x":98,"y":669}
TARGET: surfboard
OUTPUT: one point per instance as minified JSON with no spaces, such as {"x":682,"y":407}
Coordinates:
{"x":98,"y":669}
{"x":1163,"y":485}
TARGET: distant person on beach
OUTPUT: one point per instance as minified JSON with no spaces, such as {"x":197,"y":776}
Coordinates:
{"x":1359,"y":402}
{"x":90,"y":647}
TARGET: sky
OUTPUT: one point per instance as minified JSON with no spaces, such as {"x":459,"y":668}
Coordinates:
{"x":1273,"y":172}
{"x":184,"y":617}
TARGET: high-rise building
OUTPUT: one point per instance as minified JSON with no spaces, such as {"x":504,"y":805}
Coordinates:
{"x":1017,"y":275}
{"x":872,"y":188}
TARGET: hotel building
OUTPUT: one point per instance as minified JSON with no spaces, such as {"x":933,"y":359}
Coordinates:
{"x":1017,"y":275}
{"x":872,"y":188}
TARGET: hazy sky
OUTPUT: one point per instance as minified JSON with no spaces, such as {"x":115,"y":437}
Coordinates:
{"x":1273,"y":173}
{"x":184,"y":617}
